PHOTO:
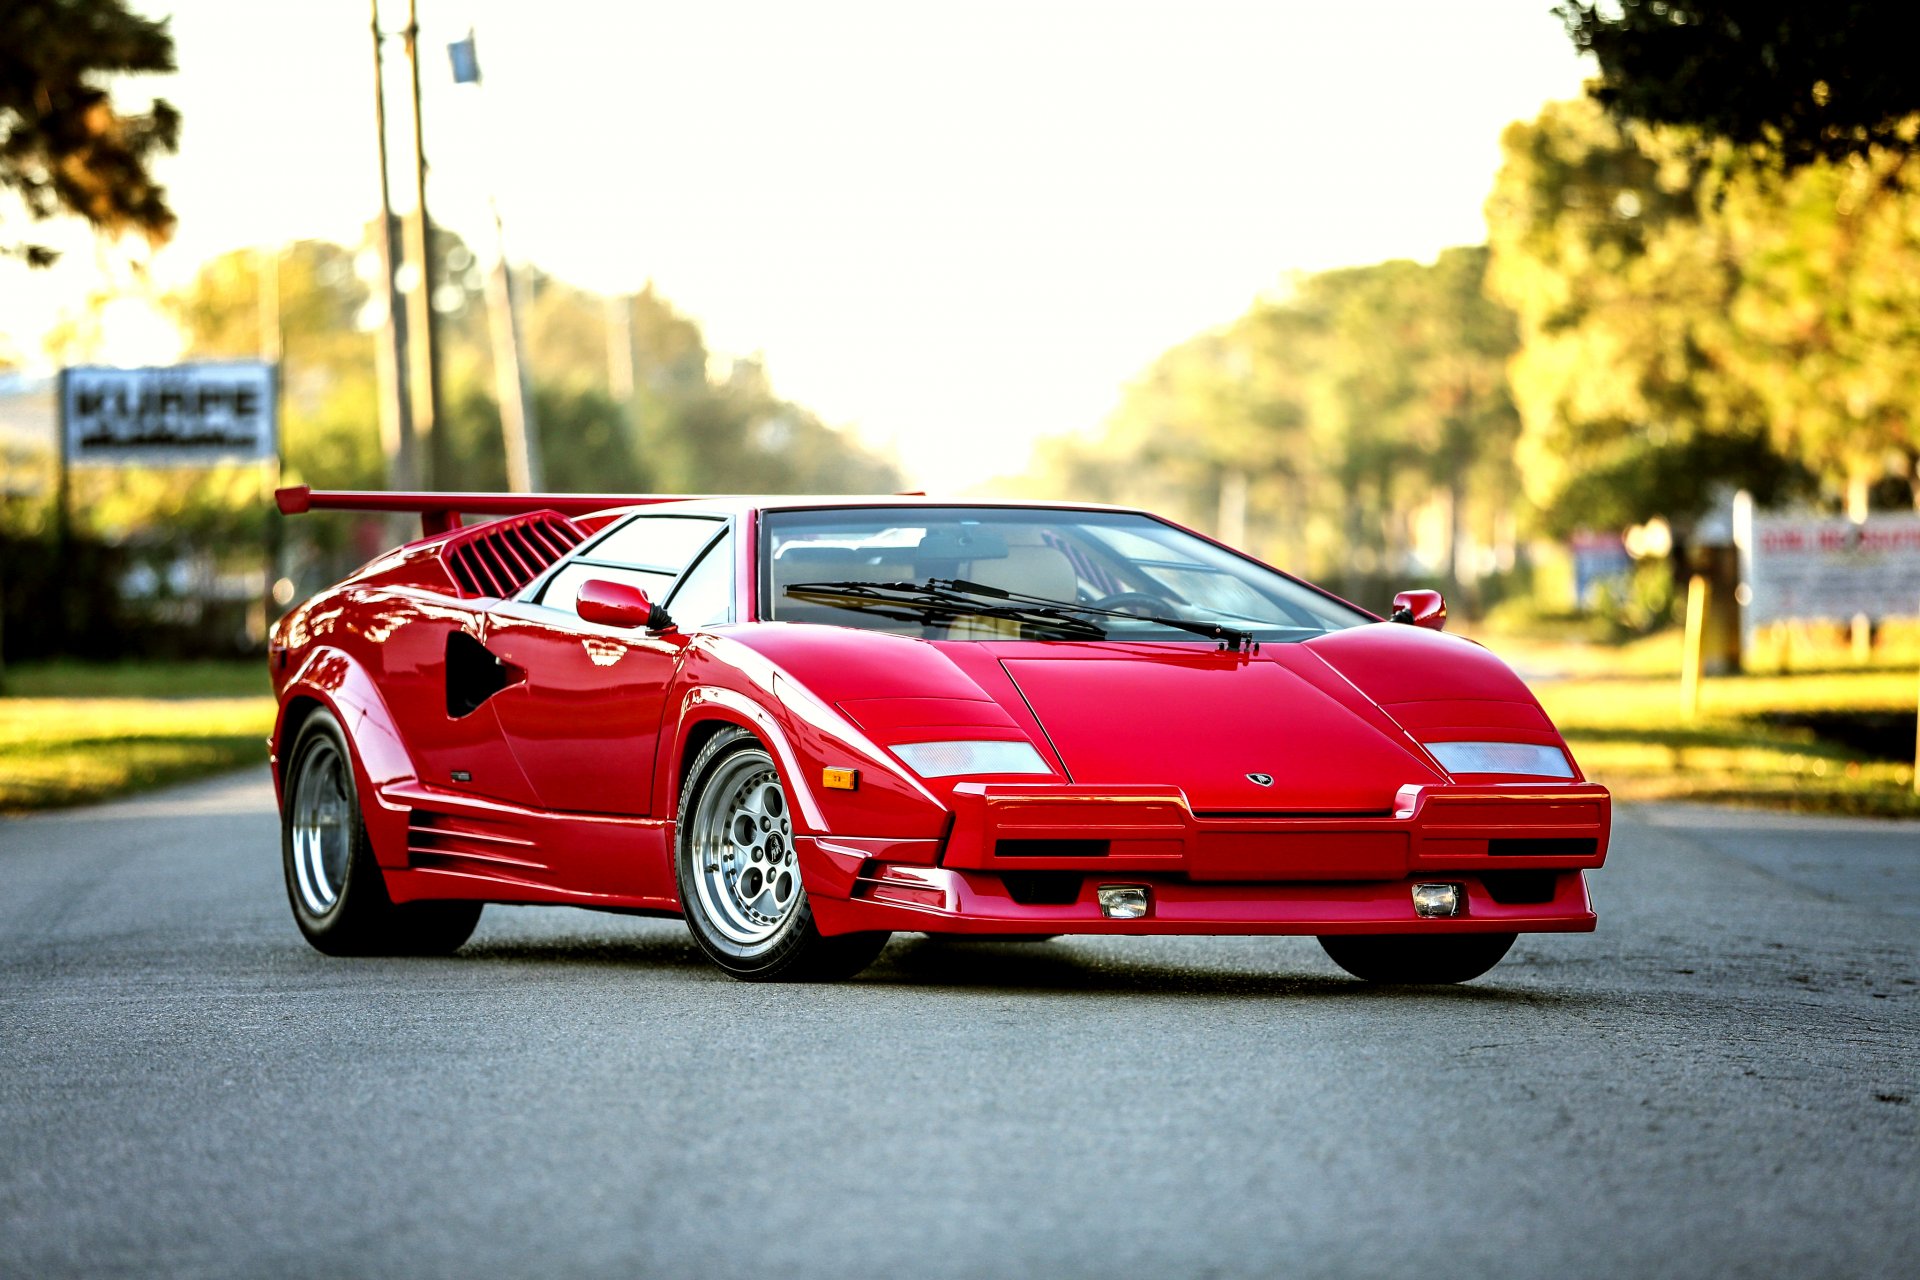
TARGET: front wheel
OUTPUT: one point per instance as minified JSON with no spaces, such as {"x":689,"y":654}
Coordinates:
{"x":1407,"y":958}
{"x":338,"y":895}
{"x":739,"y":876}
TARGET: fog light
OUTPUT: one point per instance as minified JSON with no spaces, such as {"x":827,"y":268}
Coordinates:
{"x":1432,"y":900}
{"x":1122,"y":901}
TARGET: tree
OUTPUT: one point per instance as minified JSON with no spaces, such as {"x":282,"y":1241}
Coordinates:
{"x":1798,"y":82}
{"x":63,"y":145}
{"x":1364,"y":415}
{"x":1623,"y":289}
{"x":1822,"y":326}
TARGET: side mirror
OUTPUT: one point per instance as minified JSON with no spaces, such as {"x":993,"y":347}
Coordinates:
{"x":1421,"y":608}
{"x":618,"y":604}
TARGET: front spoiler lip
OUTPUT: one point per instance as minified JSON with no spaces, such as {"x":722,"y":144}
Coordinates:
{"x":1153,"y":829}
{"x":974,"y":902}
{"x":1275,"y":874}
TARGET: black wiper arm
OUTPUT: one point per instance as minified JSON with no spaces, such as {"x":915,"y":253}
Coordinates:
{"x":1229,"y":637}
{"x":926,"y":602}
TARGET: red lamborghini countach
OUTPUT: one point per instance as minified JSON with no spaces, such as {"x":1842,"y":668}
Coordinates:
{"x":803,"y":724}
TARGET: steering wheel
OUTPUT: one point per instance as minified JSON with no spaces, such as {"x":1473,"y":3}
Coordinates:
{"x":1142,"y":601}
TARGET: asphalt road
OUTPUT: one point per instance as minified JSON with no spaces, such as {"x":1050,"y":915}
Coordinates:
{"x":1724,"y":1081}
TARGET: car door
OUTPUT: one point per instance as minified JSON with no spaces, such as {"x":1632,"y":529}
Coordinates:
{"x":419,"y":644}
{"x":584,"y":722}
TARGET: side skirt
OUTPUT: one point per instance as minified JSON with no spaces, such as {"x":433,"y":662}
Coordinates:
{"x":454,"y":846}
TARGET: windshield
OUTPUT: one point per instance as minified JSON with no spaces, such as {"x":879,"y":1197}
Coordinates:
{"x":1145,"y":569}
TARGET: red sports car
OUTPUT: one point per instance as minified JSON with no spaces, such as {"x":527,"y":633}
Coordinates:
{"x":803,"y":724}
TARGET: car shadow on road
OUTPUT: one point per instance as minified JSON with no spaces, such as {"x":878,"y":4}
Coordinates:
{"x":986,"y":967}
{"x":647,"y":952}
{"x":1041,"y":968}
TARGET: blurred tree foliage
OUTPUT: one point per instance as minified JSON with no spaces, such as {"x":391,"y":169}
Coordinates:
{"x":1623,"y":293}
{"x":1660,"y":316}
{"x":63,"y":145}
{"x":686,"y":428}
{"x":1790,"y":82}
{"x":1693,"y":320}
{"x":1366,"y":401}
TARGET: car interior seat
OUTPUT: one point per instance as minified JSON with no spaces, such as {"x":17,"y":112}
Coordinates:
{"x":801,"y":563}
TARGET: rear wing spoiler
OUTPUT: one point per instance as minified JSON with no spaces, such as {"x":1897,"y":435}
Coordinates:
{"x":441,"y":512}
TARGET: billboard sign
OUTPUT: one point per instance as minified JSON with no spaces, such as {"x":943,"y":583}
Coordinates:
{"x":185,"y":415}
{"x":1809,"y":566}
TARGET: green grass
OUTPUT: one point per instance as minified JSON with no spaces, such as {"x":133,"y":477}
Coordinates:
{"x":1628,"y":729}
{"x":203,"y":679}
{"x":73,"y":733}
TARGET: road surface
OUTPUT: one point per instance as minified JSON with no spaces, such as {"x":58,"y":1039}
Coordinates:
{"x":1721,"y":1082}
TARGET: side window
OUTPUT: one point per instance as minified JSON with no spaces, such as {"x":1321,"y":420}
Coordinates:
{"x":663,"y":544}
{"x":648,"y":551}
{"x":705,"y":594}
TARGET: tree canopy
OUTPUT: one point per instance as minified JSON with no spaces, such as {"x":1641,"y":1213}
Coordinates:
{"x":1659,"y":317}
{"x":64,"y":146}
{"x":1364,"y":415}
{"x":1799,"y":82}
{"x":689,"y":427}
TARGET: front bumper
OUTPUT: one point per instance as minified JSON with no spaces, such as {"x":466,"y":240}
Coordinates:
{"x":1029,"y":859}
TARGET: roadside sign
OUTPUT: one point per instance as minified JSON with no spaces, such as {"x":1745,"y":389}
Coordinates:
{"x":185,"y":415}
{"x":1808,"y":566}
{"x":1597,"y":558}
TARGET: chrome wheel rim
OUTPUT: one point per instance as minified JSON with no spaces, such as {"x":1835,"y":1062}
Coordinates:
{"x":321,"y":817}
{"x":744,"y":871}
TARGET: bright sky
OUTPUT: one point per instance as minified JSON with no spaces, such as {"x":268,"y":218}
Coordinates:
{"x":953,"y":229}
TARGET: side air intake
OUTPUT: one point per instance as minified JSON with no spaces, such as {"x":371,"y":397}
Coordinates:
{"x":502,"y":556}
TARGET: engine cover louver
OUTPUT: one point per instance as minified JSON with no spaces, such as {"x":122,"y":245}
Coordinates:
{"x":502,"y":556}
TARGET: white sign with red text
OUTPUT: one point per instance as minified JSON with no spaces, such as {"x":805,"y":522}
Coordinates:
{"x":1805,"y":566}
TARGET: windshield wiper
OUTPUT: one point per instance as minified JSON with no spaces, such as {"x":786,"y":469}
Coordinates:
{"x":926,"y":602}
{"x":950,"y":597}
{"x":1229,"y":637}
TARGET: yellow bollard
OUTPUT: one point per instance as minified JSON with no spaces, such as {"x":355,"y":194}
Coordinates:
{"x":1860,"y":639}
{"x":1693,"y":657}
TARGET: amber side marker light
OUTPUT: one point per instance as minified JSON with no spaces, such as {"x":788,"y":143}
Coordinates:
{"x":840,"y":779}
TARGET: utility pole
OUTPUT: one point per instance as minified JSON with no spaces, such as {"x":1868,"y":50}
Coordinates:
{"x":524,"y":471}
{"x":422,"y":322}
{"x":619,"y":308}
{"x":620,"y":362}
{"x":1232,"y":525}
{"x":518,"y":432}
{"x":272,"y":351}
{"x":396,"y":414}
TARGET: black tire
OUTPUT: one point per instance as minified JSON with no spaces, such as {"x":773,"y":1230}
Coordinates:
{"x":1411,"y":959}
{"x":335,"y":887}
{"x":792,"y":948}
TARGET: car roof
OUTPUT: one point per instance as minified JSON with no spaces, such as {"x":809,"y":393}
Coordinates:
{"x":741,"y":504}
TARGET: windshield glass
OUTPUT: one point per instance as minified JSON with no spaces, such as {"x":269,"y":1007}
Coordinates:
{"x":1120,"y":561}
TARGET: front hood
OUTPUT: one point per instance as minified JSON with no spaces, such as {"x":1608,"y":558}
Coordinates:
{"x":1204,"y":721}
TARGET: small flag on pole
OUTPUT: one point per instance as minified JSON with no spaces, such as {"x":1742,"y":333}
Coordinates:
{"x":466,"y":61}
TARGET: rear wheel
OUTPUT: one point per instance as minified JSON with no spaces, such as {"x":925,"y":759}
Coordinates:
{"x":1405,"y":958}
{"x":740,"y":878}
{"x":338,"y":895}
